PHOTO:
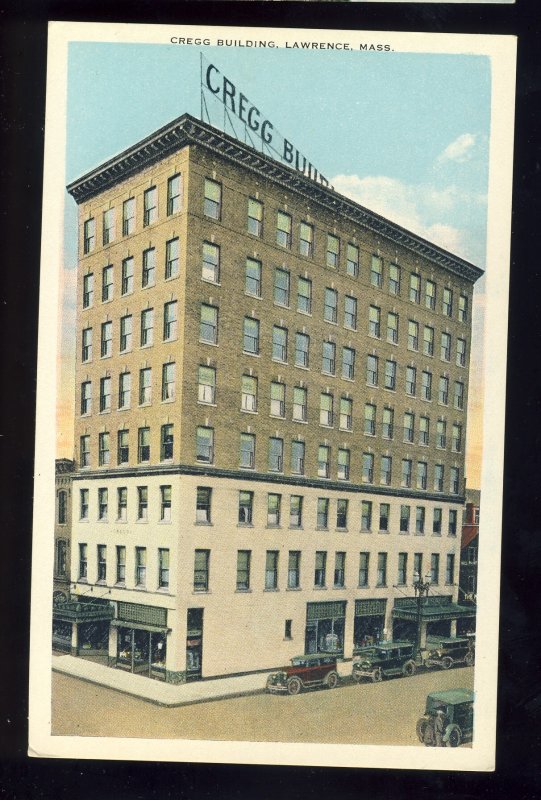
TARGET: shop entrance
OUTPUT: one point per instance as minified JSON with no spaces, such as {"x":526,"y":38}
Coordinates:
{"x":369,"y":622}
{"x":325,"y":624}
{"x":404,"y":630}
{"x":142,"y":652}
{"x":194,"y":644}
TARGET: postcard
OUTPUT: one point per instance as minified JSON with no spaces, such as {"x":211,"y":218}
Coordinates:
{"x":273,"y":308}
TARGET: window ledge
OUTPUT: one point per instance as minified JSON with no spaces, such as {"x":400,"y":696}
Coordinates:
{"x":272,"y":590}
{"x":293,"y":588}
{"x":340,"y":588}
{"x":245,"y":525}
{"x":243,"y":591}
{"x":202,"y":403}
{"x":246,"y":410}
{"x":320,"y":588}
{"x":204,"y":524}
{"x":342,"y":530}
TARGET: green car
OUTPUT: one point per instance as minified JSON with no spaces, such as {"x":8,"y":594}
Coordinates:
{"x":446,"y":652}
{"x":384,"y":660}
{"x":456,"y":706}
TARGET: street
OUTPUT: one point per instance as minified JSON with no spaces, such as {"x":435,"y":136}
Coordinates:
{"x":382,"y":713}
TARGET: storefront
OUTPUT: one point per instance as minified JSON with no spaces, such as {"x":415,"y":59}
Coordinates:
{"x":325,"y":623}
{"x":82,"y":627}
{"x":434,"y":616}
{"x":141,"y":645}
{"x":369,"y":622}
{"x":194,"y":644}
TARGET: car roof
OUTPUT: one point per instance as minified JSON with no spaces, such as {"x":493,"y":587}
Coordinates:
{"x":446,"y":640}
{"x":389,"y":645}
{"x":453,"y":696}
{"x":314,"y":656}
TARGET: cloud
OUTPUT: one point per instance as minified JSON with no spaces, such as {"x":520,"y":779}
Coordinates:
{"x":460,"y":149}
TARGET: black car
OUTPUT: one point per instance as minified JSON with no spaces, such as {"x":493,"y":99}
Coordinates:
{"x":384,"y":660}
{"x":445,"y":652}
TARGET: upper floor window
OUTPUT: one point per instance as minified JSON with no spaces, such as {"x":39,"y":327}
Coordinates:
{"x":253,"y":277}
{"x":304,"y":295}
{"x":295,"y":511}
{"x":86,"y":397}
{"x":201,"y":570}
{"x":388,"y":423}
{"x":330,"y":308}
{"x":370,"y":419}
{"x":243,"y":570}
{"x":105,"y":394}
{"x":206,"y":382}
{"x":415,"y":288}
{"x":88,"y":290}
{"x":255,"y":217}
{"x":212,"y":206}
{"x":463,"y":308}
{"x":123,"y":448}
{"x":104,"y":449}
{"x":89,"y":235}
{"x":86,"y":348}
{"x":174,"y":190}
{"x":203,"y":504}
{"x":372,"y":370}
{"x":276,"y":454}
{"x":62,"y":507}
{"x":445,"y":349}
{"x":168,"y":381}
{"x":392,"y":327}
{"x":277,"y":399}
{"x":281,"y":287}
{"x":124,"y":390}
{"x":390,"y":374}
{"x":350,"y":312}
{"x":106,"y":339}
{"x":333,"y":251}
{"x":150,"y":206}
{"x":250,"y":340}
{"x":461,"y":352}
{"x":279,"y":343}
{"x":147,"y":327}
{"x":459,"y":395}
{"x":170,"y":321}
{"x":246,"y":508}
{"x":163,"y":568}
{"x":211,"y":262}
{"x":204,"y":442}
{"x":322,"y":513}
{"x":447,"y":302}
{"x":326,"y":416}
{"x":328,"y":364}
{"x":145,"y":386}
{"x":166,"y":442}
{"x":165,"y":503}
{"x":84,"y":452}
{"x":149,"y":267}
{"x":107,"y":283}
{"x":109,"y":226}
{"x":343,"y":464}
{"x":297,"y":457}
{"x":300,"y":404}
{"x":368,"y":468}
{"x":454,"y":482}
{"x":171,"y":258}
{"x":426,"y":385}
{"x":128,"y":216}
{"x":126,"y":330}
{"x":127,"y":275}
{"x":430,"y":295}
{"x":376,"y":272}
{"x":348,"y":363}
{"x":352,"y":260}
{"x":306,"y":239}
{"x":283,"y":229}
{"x":274,"y":503}
{"x":394,"y":279}
{"x":374,"y":321}
{"x":443,"y":390}
{"x":249,"y":393}
{"x":302,"y":350}
{"x":413,"y":335}
{"x":143,"y":445}
{"x":456,"y":438}
{"x":428,"y":341}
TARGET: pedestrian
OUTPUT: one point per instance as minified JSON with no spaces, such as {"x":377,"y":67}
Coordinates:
{"x":439,"y":727}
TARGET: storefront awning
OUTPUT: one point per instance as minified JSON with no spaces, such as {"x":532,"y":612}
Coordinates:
{"x":139,"y":626}
{"x":433,"y":612}
{"x":82,"y":612}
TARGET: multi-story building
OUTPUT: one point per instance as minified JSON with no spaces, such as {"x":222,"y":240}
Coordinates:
{"x":469,"y":549}
{"x":62,"y":541}
{"x":271,"y":394}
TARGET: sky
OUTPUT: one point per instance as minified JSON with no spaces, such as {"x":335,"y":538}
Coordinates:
{"x":405,"y":134}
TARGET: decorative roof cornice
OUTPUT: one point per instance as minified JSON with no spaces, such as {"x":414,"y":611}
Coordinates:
{"x":186,"y":130}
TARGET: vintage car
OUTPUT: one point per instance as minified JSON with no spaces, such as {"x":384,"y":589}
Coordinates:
{"x":445,"y":652}
{"x":384,"y":660}
{"x":457,"y":708}
{"x":305,"y":672}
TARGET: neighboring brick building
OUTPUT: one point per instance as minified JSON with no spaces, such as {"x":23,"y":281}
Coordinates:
{"x":271,"y":401}
{"x":64,"y":468}
{"x":469,"y":549}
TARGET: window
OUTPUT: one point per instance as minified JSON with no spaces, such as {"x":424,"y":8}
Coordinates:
{"x":370,"y":419}
{"x":420,"y":520}
{"x":330,"y":309}
{"x":445,"y":348}
{"x":88,"y":290}
{"x":304,"y":295}
{"x":211,"y":262}
{"x":430,"y":295}
{"x":342,"y":514}
{"x":83,"y":562}
{"x":106,"y":348}
{"x":103,"y":503}
{"x":348,"y":363}
{"x":171,"y":258}
{"x":149,"y":267}
{"x":174,"y":189}
{"x":170,"y":320}
{"x":107,"y":283}
{"x":306,"y":239}
{"x":166,"y":442}
{"x":404,"y":519}
{"x":458,"y":399}
{"x":247,"y":450}
{"x":274,"y":504}
{"x":271,"y":569}
{"x":376,"y":272}
{"x":204,"y":443}
{"x":243,"y":570}
{"x":352,"y":260}
{"x":436,"y":522}
{"x":350,"y":312}
{"x":250,"y":335}
{"x":163,"y":568}
{"x":382,"y":569}
{"x":392,"y":328}
{"x":384,"y":513}
{"x":320,"y":569}
{"x":343,"y":464}
{"x":248,"y":392}
{"x":89,"y":235}
{"x":461,"y":352}
{"x":415,"y":288}
{"x":363,"y":568}
{"x":104,"y":450}
{"x":253,"y":277}
{"x":428,"y":341}
{"x":322,"y":513}
{"x":447,"y":303}
{"x":206,"y":385}
{"x":302,"y":349}
{"x":422,"y":471}
{"x":105,"y":394}
{"x":126,"y":329}
{"x":435,"y":568}
{"x":276,"y":454}
{"x":124,"y":390}
{"x":143,"y":445}
{"x":450,"y":569}
{"x":426,"y":386}
{"x":147,"y":327}
{"x":409,"y":427}
{"x":246,"y":507}
{"x":61,"y":558}
{"x":255,"y":217}
{"x":201,"y":570}
{"x":441,"y":433}
{"x":333,"y":251}
{"x":140,"y":566}
{"x":452,"y":522}
{"x":108,"y":226}
{"x":438,"y":477}
{"x":323,"y":461}
{"x":374,"y":316}
{"x":368,"y":468}
{"x":208,"y":326}
{"x":456,"y":438}
{"x":443,"y":390}
{"x":328,"y":364}
{"x":413,"y":335}
{"x":294,"y":569}
{"x":411,"y":381}
{"x":454,"y":483}
{"x":127,"y":275}
{"x":339,"y":570}
{"x":417,"y":566}
{"x":128,"y":216}
{"x":212,"y":205}
{"x":388,"y":423}
{"x":300,"y":404}
{"x":346,"y":414}
{"x":122,"y":504}
{"x":283,"y":229}
{"x":62,"y":507}
{"x":295,"y":511}
{"x":402,"y":569}
{"x":406,"y":472}
{"x":424,"y":430}
{"x":145,"y":386}
{"x":165,"y":503}
{"x":372,"y":370}
{"x":394,"y":279}
{"x":203,"y":504}
{"x":84,"y":450}
{"x":279,"y":343}
{"x":86,"y":397}
{"x":463,"y":308}
{"x":142,"y":502}
{"x":366,"y":515}
{"x":390,"y":375}
{"x":386,"y":470}
{"x":297,"y":457}
{"x":281,"y":287}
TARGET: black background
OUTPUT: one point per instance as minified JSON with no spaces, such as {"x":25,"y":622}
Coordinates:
{"x":23,"y":47}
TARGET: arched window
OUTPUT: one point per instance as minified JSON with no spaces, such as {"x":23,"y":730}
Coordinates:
{"x":62,"y":507}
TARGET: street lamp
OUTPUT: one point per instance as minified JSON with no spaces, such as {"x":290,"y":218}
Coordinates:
{"x":421,"y":588}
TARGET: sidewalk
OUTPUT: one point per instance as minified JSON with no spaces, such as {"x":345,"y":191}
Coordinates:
{"x":165,"y":694}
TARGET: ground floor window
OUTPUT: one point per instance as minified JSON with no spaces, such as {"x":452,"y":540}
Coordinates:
{"x":369,"y":622}
{"x":142,"y":651}
{"x":325,"y":624}
{"x":61,"y":635}
{"x":93,"y":636}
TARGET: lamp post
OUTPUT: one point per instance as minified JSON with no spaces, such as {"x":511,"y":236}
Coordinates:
{"x":421,"y":588}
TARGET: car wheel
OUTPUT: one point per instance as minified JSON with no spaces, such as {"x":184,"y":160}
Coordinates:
{"x":294,"y":686}
{"x":470,"y":659}
{"x":332,"y":680}
{"x":421,"y":728}
{"x":447,"y":662}
{"x":357,"y":677}
{"x":408,"y":669}
{"x":454,"y":738}
{"x":269,"y":683}
{"x":377,"y":675}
